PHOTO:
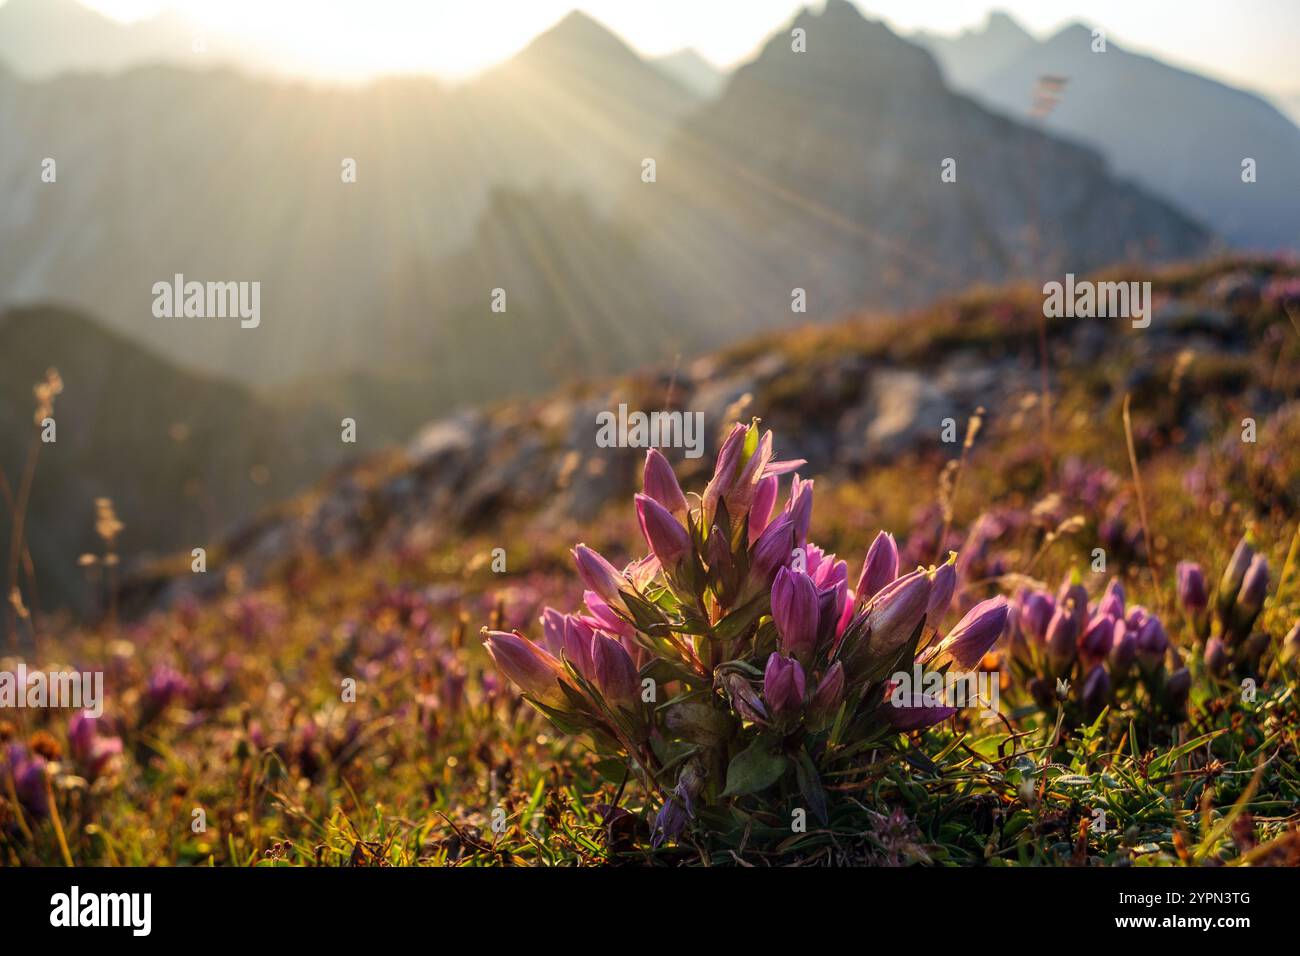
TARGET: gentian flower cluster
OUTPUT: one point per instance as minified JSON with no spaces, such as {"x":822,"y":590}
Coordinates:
{"x":1234,"y":647}
{"x":1088,"y":657}
{"x":735,"y":659}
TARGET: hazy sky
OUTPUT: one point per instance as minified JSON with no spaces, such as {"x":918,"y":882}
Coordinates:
{"x":1250,"y":42}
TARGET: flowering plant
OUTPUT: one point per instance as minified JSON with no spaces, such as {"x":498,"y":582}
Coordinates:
{"x":734,"y":659}
{"x":1089,"y":658}
{"x":1235,"y":647}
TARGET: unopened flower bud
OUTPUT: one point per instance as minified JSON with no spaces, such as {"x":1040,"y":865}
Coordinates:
{"x":1062,"y":634}
{"x":1216,"y":657}
{"x":1112,"y":602}
{"x":772,"y":550}
{"x":827,"y":697}
{"x":553,"y":630}
{"x":740,"y":496}
{"x":1096,"y":642}
{"x":880,"y":567}
{"x":795,"y":612}
{"x":613,"y":672}
{"x":1096,"y":691}
{"x":1074,"y":597}
{"x":915,"y":712}
{"x":605,"y":616}
{"x":577,"y":645}
{"x":599,"y":575}
{"x":968,"y":642}
{"x":1152,"y":643}
{"x":724,"y":471}
{"x":660,"y":483}
{"x":1254,"y":589}
{"x":1123,"y":650}
{"x":528,"y":667}
{"x":1036,"y":611}
{"x":760,"y":512}
{"x":800,"y":509}
{"x":744,"y":700}
{"x":1193,"y":593}
{"x":892,"y":617}
{"x":783,"y":687}
{"x":1233,"y":574}
{"x":942,"y":587}
{"x":667,"y":539}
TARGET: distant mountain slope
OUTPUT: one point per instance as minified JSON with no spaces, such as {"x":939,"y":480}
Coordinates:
{"x":818,"y":171}
{"x":219,"y":176}
{"x":183,"y":457}
{"x":1180,"y":135}
{"x":821,"y":171}
{"x":39,"y":39}
{"x":577,"y":107}
{"x":971,"y":56}
{"x":578,"y":298}
{"x":693,"y":71}
{"x":1289,"y":104}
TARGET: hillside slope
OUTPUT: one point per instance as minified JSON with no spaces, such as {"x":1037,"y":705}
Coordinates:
{"x":865,"y":398}
{"x":1135,"y":109}
{"x":182,"y":456}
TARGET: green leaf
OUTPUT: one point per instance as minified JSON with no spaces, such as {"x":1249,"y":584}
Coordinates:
{"x":565,"y":722}
{"x":666,"y":672}
{"x":1072,"y":780}
{"x":735,"y":623}
{"x":644,"y":614}
{"x":674,"y":754}
{"x":612,"y":769}
{"x":889,"y":665}
{"x":1166,"y":761}
{"x":810,"y":785}
{"x":690,"y":622}
{"x":755,"y":768}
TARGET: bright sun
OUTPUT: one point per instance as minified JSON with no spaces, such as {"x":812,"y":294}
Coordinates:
{"x":451,"y":37}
